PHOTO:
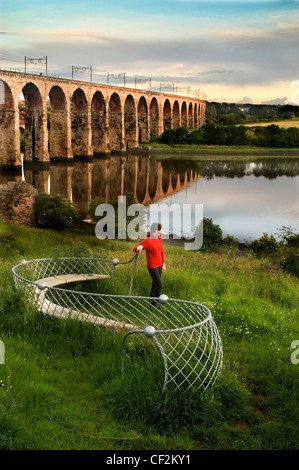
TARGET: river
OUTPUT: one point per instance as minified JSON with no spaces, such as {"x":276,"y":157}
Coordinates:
{"x":246,"y":198}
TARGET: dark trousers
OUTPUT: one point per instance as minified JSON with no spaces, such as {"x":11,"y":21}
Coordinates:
{"x":155,"y":274}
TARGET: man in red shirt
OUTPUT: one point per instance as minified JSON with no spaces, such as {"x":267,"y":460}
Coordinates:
{"x":155,"y":259}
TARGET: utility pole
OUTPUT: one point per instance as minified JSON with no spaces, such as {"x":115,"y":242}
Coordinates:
{"x":41,"y":60}
{"x":82,"y":70}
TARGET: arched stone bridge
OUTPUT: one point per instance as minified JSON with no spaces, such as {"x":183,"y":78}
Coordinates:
{"x":66,"y":118}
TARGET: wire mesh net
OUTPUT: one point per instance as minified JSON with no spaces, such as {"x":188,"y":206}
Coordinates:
{"x":183,"y":331}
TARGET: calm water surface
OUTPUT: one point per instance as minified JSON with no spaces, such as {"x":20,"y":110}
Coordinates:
{"x":248,"y":206}
{"x":245,"y":198}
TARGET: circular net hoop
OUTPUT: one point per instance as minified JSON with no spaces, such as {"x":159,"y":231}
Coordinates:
{"x":183,"y":331}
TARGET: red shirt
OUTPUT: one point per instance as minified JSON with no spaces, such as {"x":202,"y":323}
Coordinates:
{"x":154,"y":251}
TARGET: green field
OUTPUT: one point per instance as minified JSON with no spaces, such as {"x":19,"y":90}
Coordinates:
{"x":285,"y":123}
{"x":61,"y":384}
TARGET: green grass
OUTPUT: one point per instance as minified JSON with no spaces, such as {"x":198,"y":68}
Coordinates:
{"x":62,"y":384}
{"x":214,"y":152}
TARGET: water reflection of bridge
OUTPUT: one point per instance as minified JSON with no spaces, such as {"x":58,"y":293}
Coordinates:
{"x":144,"y":176}
{"x":109,"y":177}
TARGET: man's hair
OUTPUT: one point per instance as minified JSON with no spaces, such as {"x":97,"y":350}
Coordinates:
{"x":154,"y":227}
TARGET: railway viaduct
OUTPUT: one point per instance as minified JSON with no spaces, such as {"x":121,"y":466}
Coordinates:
{"x":67,"y":118}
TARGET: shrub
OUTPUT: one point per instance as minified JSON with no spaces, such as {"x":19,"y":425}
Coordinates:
{"x":288,"y":236}
{"x":212,"y":234}
{"x":264,"y":245}
{"x":55,"y":211}
{"x":288,"y":259}
{"x":181,"y":135}
{"x":287,"y":255}
{"x":175,"y":136}
{"x":237,"y":135}
{"x":195,"y":137}
{"x":230,"y":241}
{"x":291,"y":137}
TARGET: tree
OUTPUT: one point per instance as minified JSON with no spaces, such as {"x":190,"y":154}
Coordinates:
{"x":274,"y":136}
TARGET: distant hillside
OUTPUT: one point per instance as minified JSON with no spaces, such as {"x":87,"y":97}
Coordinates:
{"x":236,"y":113}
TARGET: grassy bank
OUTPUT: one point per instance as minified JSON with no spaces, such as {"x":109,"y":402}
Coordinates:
{"x":61,"y":385}
{"x":214,"y":152}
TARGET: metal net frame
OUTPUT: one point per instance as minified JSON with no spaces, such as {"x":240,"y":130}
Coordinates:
{"x":184,"y":332}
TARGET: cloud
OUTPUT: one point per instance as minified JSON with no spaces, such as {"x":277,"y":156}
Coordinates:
{"x":259,"y":62}
{"x":224,"y":51}
{"x":276,"y":101}
{"x":246,"y":100}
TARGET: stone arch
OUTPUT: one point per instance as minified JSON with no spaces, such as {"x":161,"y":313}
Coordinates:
{"x":79,"y":126}
{"x":100,"y":171}
{"x":154,"y":178}
{"x":142,"y":178}
{"x":58,"y":141}
{"x":199,"y":114}
{"x":35,"y":123}
{"x":98,"y":123}
{"x":166,"y":182}
{"x":9,"y":133}
{"x":167,"y":120}
{"x":130,"y":174}
{"x":154,"y":117}
{"x":184,"y":120}
{"x":176,"y":121}
{"x":115,"y":123}
{"x":195,"y":117}
{"x":115,"y":177}
{"x":143,"y":130}
{"x":190,"y":115}
{"x":175,"y":180}
{"x":130,"y":122}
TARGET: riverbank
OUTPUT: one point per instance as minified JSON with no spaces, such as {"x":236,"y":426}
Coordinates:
{"x":214,"y":152}
{"x":62,"y":384}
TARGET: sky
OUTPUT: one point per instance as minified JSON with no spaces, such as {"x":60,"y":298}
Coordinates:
{"x":233,"y":51}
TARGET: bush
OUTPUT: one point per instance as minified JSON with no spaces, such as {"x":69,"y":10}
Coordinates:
{"x":230,"y":241}
{"x":287,"y":256}
{"x":288,"y":259}
{"x":55,"y":211}
{"x":289,"y":236}
{"x":212,"y":234}
{"x":175,"y":136}
{"x":195,"y":137}
{"x":237,"y":135}
{"x":264,"y":245}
